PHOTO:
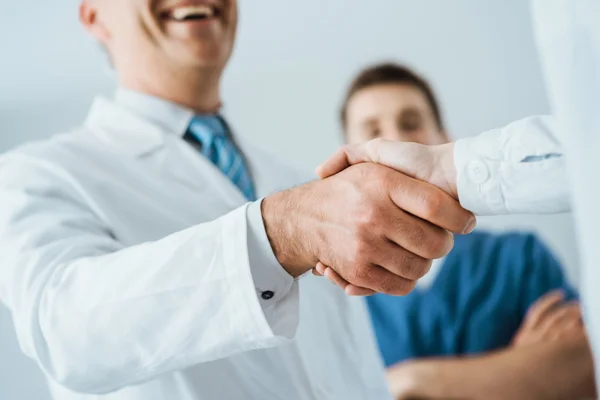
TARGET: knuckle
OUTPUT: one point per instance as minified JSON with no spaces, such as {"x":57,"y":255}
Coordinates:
{"x":382,"y":177}
{"x":361,"y":248}
{"x":438,"y":244}
{"x":366,"y":216}
{"x":367,"y":220}
{"x":403,"y":287}
{"x":412,"y":266}
{"x":374,"y":175}
{"x":418,"y":236}
{"x":392,"y":284}
{"x":355,"y":260}
{"x":421,"y":267}
{"x":360,"y":275}
{"x":358,"y":254}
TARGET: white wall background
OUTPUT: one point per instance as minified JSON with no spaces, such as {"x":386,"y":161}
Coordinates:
{"x":292,"y":63}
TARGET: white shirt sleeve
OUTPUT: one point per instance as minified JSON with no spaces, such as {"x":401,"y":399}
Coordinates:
{"x":518,"y":169}
{"x":276,"y":289}
{"x":98,"y":316}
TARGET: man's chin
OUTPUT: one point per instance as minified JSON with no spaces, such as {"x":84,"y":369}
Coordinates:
{"x":202,"y":55}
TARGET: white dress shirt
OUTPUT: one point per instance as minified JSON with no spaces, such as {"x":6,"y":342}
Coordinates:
{"x":134,"y":269}
{"x":550,"y":164}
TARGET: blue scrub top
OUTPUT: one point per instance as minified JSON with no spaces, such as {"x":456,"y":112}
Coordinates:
{"x":476,"y":303}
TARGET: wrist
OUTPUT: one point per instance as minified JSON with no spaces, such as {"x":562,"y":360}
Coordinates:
{"x":444,"y":162}
{"x":413,"y":379}
{"x":282,"y":227}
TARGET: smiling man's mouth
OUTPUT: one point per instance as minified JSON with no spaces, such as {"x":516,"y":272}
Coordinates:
{"x":191,"y":13}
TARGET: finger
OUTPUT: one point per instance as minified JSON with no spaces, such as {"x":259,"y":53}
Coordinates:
{"x":356,"y":291}
{"x":404,"y":157}
{"x":573,"y":329}
{"x":343,"y":158}
{"x":560,"y":318}
{"x":335,"y":278}
{"x":350,"y":289}
{"x":401,"y":156}
{"x":558,"y":324}
{"x":542,"y":307}
{"x":320,"y":267}
{"x":430,"y":204}
{"x":400,"y":261}
{"x":378,"y":279}
{"x":419,"y":237}
{"x":316,"y":273}
{"x":575,"y":306}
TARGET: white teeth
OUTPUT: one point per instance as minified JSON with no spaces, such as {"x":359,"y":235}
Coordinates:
{"x":181,"y":13}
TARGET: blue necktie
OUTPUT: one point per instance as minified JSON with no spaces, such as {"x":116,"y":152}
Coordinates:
{"x":212,"y":133}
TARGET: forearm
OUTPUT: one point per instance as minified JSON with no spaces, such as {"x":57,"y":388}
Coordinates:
{"x":443,"y":378}
{"x":546,"y":371}
{"x":562,"y":369}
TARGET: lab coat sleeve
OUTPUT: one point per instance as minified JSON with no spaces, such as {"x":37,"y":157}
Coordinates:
{"x":97,"y":316}
{"x":518,"y":169}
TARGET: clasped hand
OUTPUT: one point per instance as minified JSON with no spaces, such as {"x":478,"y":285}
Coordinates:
{"x":374,"y":222}
{"x":431,"y":164}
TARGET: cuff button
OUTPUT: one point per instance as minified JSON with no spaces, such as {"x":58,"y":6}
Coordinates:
{"x":478,"y":171}
{"x":267,"y":295}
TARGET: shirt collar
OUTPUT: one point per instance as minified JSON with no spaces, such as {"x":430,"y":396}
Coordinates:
{"x":135,"y":122}
{"x":171,"y":117}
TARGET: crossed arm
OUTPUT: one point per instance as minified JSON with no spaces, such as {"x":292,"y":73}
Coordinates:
{"x":549,"y":358}
{"x":554,"y":370}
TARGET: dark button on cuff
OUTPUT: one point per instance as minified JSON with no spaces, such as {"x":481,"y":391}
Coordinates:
{"x":267,"y":295}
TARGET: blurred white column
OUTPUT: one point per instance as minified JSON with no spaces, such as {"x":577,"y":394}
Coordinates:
{"x":568,"y":37}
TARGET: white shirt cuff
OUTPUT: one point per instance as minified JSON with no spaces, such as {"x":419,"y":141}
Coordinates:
{"x":518,"y":169}
{"x":478,"y":186}
{"x":276,"y":290}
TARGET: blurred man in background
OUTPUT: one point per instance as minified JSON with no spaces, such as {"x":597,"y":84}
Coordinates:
{"x":502,"y":292}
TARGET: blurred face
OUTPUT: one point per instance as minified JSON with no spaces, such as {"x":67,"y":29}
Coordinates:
{"x":163,"y":34}
{"x":394,"y":112}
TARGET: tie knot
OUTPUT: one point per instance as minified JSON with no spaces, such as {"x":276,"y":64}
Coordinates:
{"x":207,"y":127}
{"x":217,"y":145}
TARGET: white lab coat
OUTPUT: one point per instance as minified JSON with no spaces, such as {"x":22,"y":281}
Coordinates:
{"x":550,"y":164}
{"x":134,"y":269}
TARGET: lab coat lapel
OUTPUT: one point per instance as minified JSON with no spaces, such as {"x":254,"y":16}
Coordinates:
{"x":189,"y":166}
{"x":121,"y":130}
{"x":167,"y":151}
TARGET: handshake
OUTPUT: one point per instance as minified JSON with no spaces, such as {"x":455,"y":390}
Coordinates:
{"x":381,"y":213}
